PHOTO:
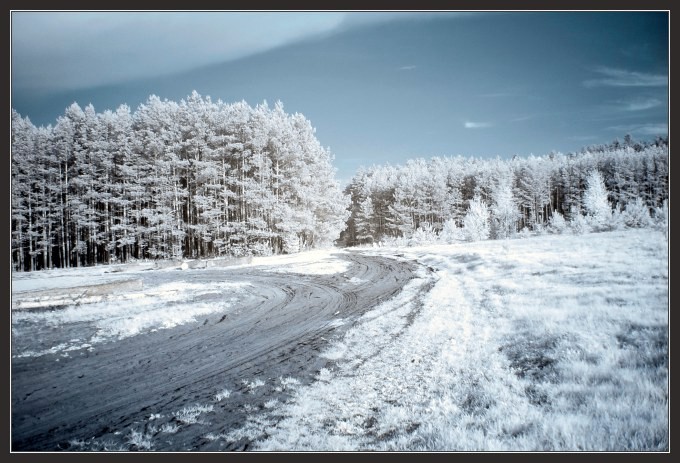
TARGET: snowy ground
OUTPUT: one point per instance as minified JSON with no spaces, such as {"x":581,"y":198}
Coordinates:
{"x":547,"y":343}
{"x":166,"y":300}
{"x":543,"y":343}
{"x":190,"y":356}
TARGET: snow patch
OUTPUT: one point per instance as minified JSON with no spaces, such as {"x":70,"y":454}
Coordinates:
{"x":318,"y":262}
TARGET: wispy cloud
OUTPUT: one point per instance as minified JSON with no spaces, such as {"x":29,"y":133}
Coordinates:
{"x":611,"y":77}
{"x":477,"y":125}
{"x":640,"y":104}
{"x":410,"y":67}
{"x":642,"y":129}
{"x":80,"y":49}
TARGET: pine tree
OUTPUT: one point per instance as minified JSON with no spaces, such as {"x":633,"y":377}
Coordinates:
{"x":364,"y":222}
{"x":596,"y":202}
{"x":504,"y":211}
{"x":476,"y":221}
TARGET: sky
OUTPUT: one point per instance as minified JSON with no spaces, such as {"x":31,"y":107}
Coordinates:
{"x":378,"y":87}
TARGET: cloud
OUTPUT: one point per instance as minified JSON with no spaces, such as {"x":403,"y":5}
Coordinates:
{"x":477,"y":125}
{"x":642,"y":129}
{"x":369,"y":18}
{"x":69,"y":50}
{"x":640,"y":104}
{"x":410,"y":67}
{"x":622,"y":78}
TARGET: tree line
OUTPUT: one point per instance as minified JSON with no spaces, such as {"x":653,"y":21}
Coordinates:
{"x":494,"y":198}
{"x":170,"y":180}
{"x":200,"y":178}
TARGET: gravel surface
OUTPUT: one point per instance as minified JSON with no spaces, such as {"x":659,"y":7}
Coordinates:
{"x":138,"y":393}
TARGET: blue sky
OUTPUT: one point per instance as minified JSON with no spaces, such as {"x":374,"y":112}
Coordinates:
{"x":379,"y":87}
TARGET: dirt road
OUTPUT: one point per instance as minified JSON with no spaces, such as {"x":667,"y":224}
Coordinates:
{"x":137,"y":393}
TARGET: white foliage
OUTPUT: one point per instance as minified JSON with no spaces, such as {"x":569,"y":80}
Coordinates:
{"x":364,"y":225}
{"x":662,"y":217}
{"x":169,"y":428}
{"x":596,"y":202}
{"x":618,"y":219}
{"x":231,"y":178}
{"x":476,"y":221}
{"x":223,"y":394}
{"x":579,"y":224}
{"x":252,"y":385}
{"x":451,"y":232}
{"x":291,"y":243}
{"x":557,"y":223}
{"x":141,"y":441}
{"x":425,"y":234}
{"x":189,"y":415}
{"x":504,"y":209}
{"x":636,"y":214}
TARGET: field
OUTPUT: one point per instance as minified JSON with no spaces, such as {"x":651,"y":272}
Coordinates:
{"x":538,"y":344}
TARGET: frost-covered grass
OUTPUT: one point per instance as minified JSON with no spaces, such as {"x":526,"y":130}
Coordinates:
{"x":140,"y":440}
{"x":169,"y":428}
{"x":190,"y":415}
{"x":223,"y":394}
{"x":287,"y":383}
{"x":546,"y":343}
{"x":252,"y":385}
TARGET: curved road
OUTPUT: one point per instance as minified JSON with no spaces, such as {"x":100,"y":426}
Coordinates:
{"x":94,"y":401}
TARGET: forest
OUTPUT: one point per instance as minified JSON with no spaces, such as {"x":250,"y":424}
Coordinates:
{"x":622,"y":184}
{"x":172,"y":180}
{"x":199,"y":179}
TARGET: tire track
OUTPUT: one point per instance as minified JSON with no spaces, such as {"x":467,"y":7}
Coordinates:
{"x":282,"y":323}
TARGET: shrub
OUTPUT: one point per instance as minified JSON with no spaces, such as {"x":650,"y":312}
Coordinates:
{"x":579,"y":225}
{"x":661,"y":217}
{"x":637,"y":215}
{"x":451,"y":232}
{"x":557,"y":223}
{"x":425,"y":234}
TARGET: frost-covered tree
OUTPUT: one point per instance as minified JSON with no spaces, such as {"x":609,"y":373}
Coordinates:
{"x":201,"y":178}
{"x":364,"y":222}
{"x":435,"y":191}
{"x":191,"y":179}
{"x":534,"y":190}
{"x":476,"y":221}
{"x":504,"y":210}
{"x":401,"y":219}
{"x":596,"y":202}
